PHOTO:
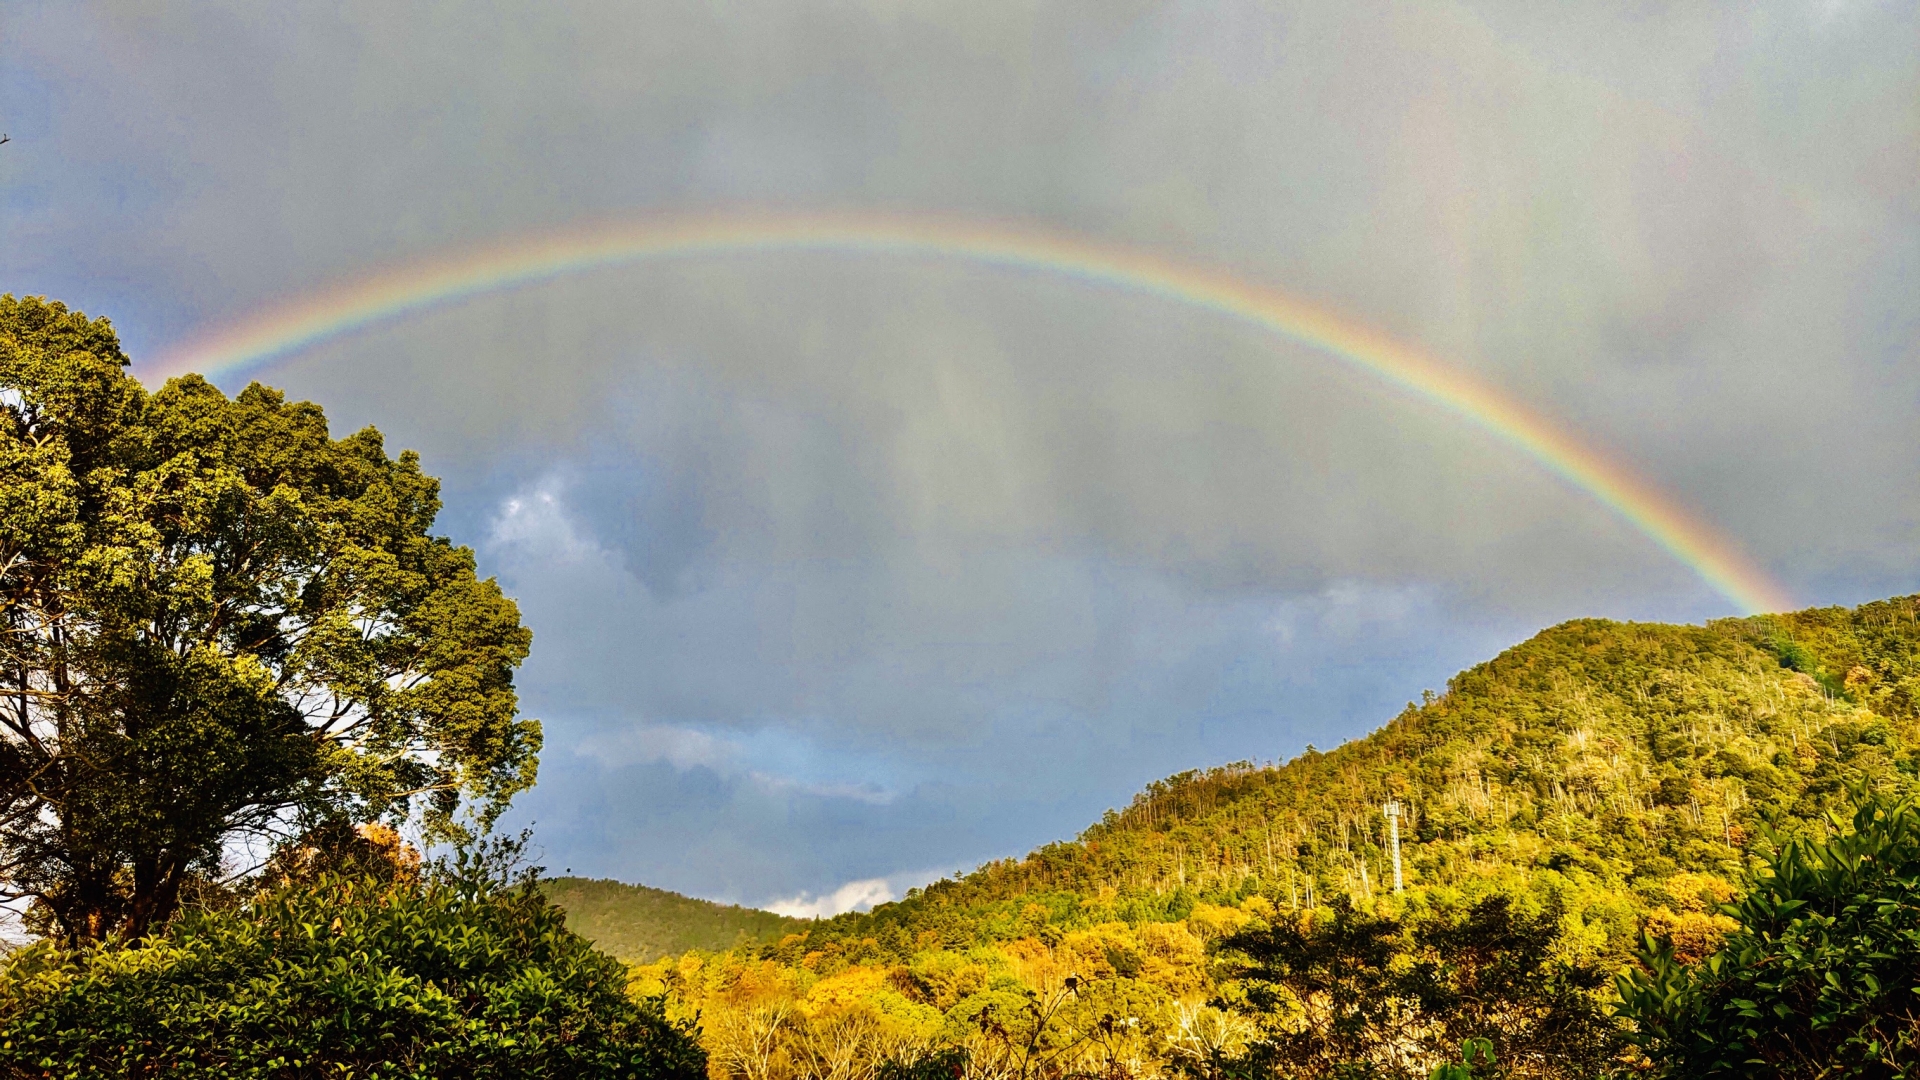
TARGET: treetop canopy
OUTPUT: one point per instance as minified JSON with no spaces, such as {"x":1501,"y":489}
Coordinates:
{"x":216,"y":619}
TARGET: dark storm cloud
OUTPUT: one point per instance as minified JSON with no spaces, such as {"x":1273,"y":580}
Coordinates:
{"x":835,"y":561}
{"x":925,"y":706}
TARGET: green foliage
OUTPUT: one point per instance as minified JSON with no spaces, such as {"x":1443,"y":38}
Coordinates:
{"x":220,"y":620}
{"x":459,"y":976}
{"x":1357,"y":994}
{"x":1821,"y":977}
{"x":1472,"y":1052}
{"x":639,"y":924}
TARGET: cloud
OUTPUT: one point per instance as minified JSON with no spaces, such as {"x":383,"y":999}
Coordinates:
{"x":680,"y":747}
{"x":730,"y":756}
{"x":534,"y":520}
{"x":777,"y":730}
{"x":1546,"y":201}
{"x":853,"y":896}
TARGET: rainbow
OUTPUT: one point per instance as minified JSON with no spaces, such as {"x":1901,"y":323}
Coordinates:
{"x":417,"y":286}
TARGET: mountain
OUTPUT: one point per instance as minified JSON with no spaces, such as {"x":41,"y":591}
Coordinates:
{"x":1598,"y":780}
{"x":639,"y":924}
{"x":1618,"y":769}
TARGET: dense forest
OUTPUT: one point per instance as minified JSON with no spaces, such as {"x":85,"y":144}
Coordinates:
{"x":1602,"y":780}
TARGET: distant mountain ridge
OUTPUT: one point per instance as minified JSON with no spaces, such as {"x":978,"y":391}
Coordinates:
{"x":639,"y":924}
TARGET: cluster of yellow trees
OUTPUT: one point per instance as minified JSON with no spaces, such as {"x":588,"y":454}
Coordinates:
{"x":1110,"y":1000}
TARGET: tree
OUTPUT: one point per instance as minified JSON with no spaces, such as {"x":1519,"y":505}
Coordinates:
{"x":1330,"y":984}
{"x":1359,"y":994}
{"x":1496,"y":978}
{"x":1821,"y":976}
{"x":217,"y":622}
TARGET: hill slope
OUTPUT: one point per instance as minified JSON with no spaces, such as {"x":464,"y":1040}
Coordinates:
{"x":640,"y":924}
{"x":1619,"y":767}
{"x":1593,"y":781}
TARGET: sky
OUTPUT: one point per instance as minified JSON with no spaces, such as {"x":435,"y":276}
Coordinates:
{"x":851,"y":570}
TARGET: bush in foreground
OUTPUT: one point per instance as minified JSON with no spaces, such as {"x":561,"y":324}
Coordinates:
{"x":1822,"y":977}
{"x":342,"y":976}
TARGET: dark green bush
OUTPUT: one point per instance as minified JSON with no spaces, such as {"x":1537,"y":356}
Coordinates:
{"x":1822,"y":978}
{"x":340,"y":977}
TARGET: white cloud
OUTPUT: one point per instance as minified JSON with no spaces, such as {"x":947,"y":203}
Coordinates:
{"x":534,"y":521}
{"x":853,"y":896}
{"x":683,"y":748}
{"x":687,"y":748}
{"x":1347,"y":609}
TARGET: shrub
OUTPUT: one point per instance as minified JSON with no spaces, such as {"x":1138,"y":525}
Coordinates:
{"x":1820,"y":976}
{"x":342,"y":976}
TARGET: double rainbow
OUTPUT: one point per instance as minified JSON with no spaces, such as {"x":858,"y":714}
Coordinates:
{"x":414,"y":287}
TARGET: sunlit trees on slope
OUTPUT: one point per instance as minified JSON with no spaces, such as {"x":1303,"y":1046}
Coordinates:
{"x":1601,"y":780}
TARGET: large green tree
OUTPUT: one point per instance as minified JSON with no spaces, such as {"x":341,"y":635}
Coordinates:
{"x":219,"y":623}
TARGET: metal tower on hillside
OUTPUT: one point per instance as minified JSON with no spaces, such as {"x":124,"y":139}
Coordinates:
{"x":1392,"y":810}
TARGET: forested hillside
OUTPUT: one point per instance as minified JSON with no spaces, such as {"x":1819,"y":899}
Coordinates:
{"x":1597,"y":782}
{"x":1600,"y":757}
{"x":636,"y":923}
